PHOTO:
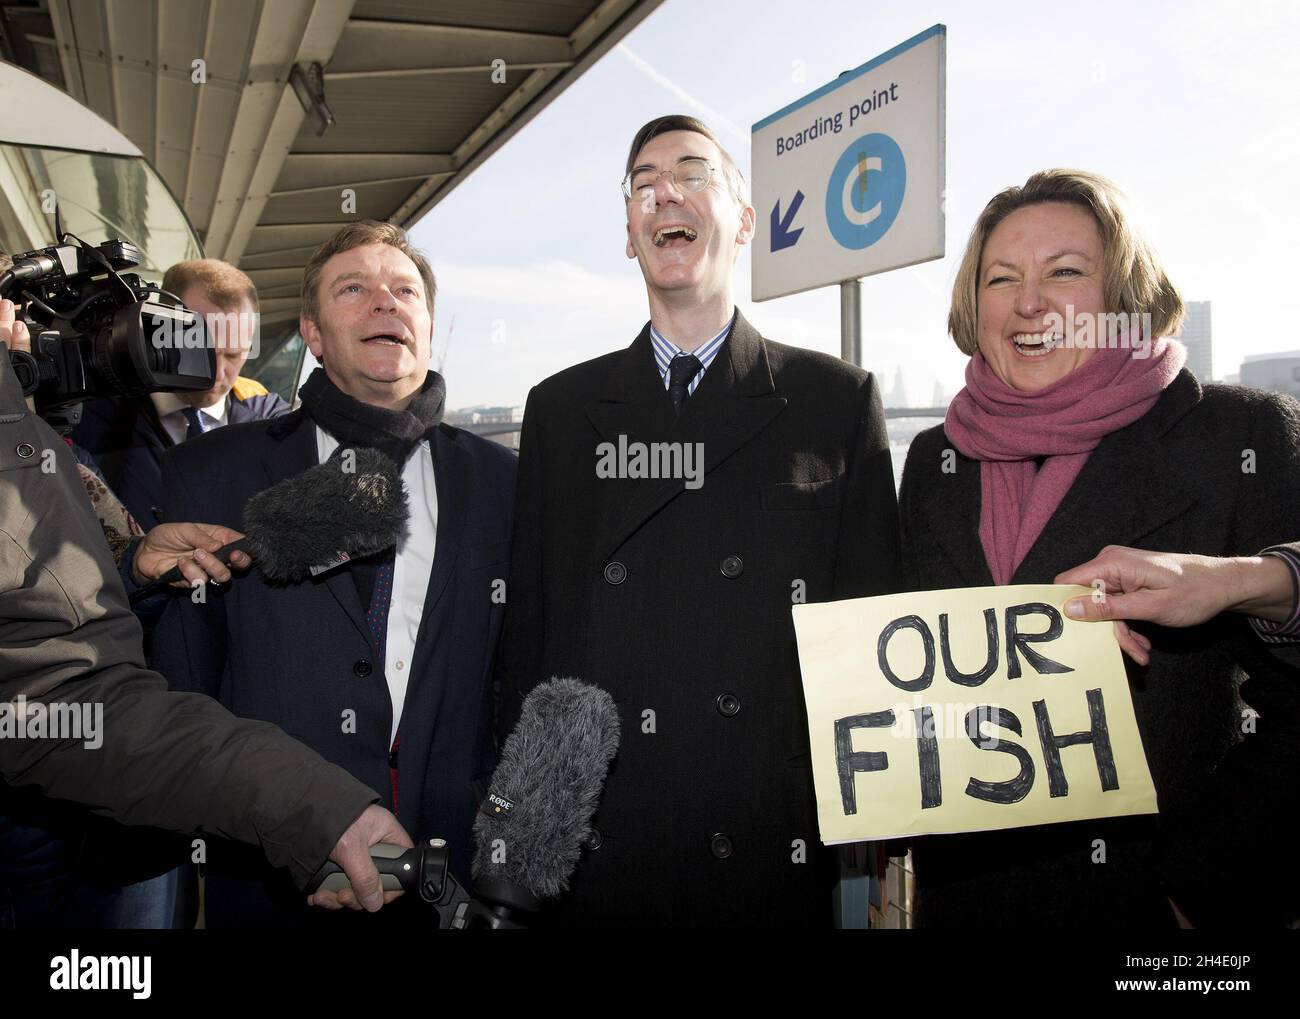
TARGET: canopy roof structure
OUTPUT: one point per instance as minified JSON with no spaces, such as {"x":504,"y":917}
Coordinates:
{"x":275,"y":122}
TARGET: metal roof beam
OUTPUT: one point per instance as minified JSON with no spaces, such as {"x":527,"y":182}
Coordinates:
{"x":606,"y":25}
{"x":278,"y":308}
{"x":358,"y":184}
{"x":178,"y":42}
{"x":69,"y":59}
{"x":202,"y":219}
{"x":439,"y":28}
{"x":369,"y":45}
{"x":267,"y":126}
{"x":270,"y":278}
{"x":416,"y":72}
{"x":303,"y":250}
{"x":439,"y":160}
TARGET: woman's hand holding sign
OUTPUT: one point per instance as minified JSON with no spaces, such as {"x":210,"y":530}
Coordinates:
{"x":1174,"y":589}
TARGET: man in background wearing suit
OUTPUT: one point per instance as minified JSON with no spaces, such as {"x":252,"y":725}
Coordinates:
{"x":674,"y":592}
{"x":383,"y":666}
{"x":127,"y":437}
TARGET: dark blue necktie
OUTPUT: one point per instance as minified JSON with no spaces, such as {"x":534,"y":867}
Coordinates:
{"x":195,"y":422}
{"x":377,"y":620}
{"x":377,"y":616}
{"x":681,"y":370}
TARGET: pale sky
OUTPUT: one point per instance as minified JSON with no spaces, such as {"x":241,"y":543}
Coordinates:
{"x":1192,"y":108}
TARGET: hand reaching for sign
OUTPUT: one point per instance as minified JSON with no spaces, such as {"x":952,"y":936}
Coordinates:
{"x":1173,"y":589}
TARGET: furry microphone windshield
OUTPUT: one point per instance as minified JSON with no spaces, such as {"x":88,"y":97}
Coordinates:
{"x":351,"y":506}
{"x":544,"y":793}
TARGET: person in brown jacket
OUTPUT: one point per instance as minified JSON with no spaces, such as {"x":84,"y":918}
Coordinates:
{"x":82,"y":719}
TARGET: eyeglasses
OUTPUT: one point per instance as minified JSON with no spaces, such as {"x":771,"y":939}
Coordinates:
{"x":689,"y":177}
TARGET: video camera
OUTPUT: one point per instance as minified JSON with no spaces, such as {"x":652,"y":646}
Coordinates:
{"x":101,"y":332}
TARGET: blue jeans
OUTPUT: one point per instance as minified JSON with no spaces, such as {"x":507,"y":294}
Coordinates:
{"x":54,"y":877}
{"x":41,"y":887}
{"x":149,"y":904}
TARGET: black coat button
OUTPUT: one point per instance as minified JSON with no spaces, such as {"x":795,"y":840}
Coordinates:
{"x":594,"y":840}
{"x":728,"y":705}
{"x":361,"y":668}
{"x":615,"y":573}
{"x":720,"y":846}
{"x":732,"y":567}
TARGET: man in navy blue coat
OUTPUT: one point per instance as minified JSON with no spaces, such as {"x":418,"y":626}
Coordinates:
{"x":128,"y":436}
{"x":383,"y":667}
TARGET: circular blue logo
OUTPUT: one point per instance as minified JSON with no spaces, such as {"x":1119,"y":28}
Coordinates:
{"x":866,"y":191}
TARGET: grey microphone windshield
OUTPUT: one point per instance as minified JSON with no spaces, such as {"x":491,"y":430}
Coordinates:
{"x":546,"y":788}
{"x":351,"y":506}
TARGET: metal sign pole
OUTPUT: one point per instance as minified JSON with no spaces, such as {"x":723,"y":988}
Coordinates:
{"x":851,"y":322}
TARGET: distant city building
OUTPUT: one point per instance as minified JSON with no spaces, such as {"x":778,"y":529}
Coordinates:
{"x":488,"y":421}
{"x":938,"y":398}
{"x":1278,"y":373}
{"x":898,"y":395}
{"x":498,"y":415}
{"x":467,"y":416}
{"x":1195,"y":335}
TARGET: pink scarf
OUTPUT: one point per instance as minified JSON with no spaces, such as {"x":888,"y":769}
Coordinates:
{"x":1006,"y":430}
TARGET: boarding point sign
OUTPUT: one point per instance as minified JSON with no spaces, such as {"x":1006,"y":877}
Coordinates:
{"x":849,"y":180}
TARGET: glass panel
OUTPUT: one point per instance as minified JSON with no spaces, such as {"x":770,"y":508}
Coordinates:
{"x":100,"y":197}
{"x":279,"y":371}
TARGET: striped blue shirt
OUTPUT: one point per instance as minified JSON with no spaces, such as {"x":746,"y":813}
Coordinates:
{"x":665,"y":350}
{"x":1289,"y":631}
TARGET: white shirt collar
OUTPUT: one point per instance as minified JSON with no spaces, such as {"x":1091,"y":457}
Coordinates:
{"x":170,"y":403}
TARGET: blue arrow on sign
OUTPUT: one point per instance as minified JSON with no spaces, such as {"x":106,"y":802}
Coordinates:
{"x":782,"y":235}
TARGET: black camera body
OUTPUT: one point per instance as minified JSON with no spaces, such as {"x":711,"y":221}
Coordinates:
{"x":101,"y":332}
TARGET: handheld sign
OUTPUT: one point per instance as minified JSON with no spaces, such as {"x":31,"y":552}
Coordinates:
{"x":966,"y":710}
{"x":849,"y":180}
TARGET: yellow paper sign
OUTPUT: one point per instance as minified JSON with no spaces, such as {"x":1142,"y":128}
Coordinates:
{"x":966,"y":710}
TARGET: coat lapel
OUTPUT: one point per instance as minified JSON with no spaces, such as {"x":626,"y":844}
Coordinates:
{"x":734,"y":401}
{"x":236,"y":410}
{"x":294,"y":448}
{"x":953,"y":519}
{"x":151,"y":426}
{"x":1127,"y":489}
{"x":633,"y":402}
{"x":294,"y":452}
{"x":453,"y":476}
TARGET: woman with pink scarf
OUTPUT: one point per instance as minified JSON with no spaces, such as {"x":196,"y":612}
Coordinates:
{"x":1080,"y":428}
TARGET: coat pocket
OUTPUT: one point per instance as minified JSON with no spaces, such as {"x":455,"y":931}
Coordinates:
{"x":803,"y":495}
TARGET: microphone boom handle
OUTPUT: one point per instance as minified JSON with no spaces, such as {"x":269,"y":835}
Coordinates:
{"x":174,"y":574}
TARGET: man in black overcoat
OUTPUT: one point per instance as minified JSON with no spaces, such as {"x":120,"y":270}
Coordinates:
{"x":675,"y":498}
